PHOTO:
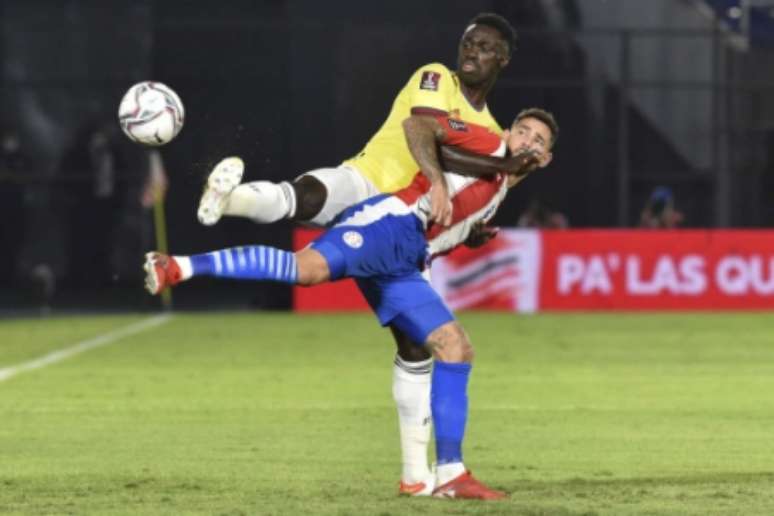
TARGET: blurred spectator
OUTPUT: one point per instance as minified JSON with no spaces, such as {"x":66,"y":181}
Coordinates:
{"x":540,"y":215}
{"x":14,"y":167}
{"x":660,"y":211}
{"x":108,"y":182}
{"x":92,"y":168}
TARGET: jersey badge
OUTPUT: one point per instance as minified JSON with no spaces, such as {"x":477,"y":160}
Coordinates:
{"x":430,"y":81}
{"x":353,"y":239}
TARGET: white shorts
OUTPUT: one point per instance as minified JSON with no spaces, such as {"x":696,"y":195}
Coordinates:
{"x":346,"y":186}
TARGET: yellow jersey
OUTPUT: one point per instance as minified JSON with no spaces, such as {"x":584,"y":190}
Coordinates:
{"x":386,"y":160}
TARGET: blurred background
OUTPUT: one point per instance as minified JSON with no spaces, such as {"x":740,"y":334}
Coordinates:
{"x":666,"y":110}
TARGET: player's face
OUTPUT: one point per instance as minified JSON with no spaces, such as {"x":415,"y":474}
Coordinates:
{"x":530,"y":134}
{"x":482,"y":54}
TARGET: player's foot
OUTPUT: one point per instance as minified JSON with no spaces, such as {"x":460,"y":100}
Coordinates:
{"x":417,"y":489}
{"x":465,"y":486}
{"x":221,"y":182}
{"x":161,"y":271}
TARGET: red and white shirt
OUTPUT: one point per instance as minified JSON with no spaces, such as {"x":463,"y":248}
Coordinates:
{"x":473,"y":198}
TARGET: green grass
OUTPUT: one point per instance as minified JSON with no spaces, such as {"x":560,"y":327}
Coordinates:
{"x":282,"y":414}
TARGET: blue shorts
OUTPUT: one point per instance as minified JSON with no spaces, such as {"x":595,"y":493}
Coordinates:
{"x":381,"y":244}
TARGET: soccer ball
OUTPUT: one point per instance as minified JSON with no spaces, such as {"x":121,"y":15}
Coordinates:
{"x":151,"y":113}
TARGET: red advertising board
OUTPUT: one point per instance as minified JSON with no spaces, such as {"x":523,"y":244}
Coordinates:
{"x":532,"y":270}
{"x":657,"y":270}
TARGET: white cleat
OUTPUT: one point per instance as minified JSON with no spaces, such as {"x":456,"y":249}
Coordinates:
{"x":424,"y":488}
{"x":221,"y":182}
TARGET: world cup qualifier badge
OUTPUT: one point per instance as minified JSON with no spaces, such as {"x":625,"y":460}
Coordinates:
{"x":430,"y":81}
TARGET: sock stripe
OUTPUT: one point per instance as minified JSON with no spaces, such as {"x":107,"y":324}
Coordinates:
{"x":423,"y":367}
{"x":278,"y":264}
{"x":216,"y":259}
{"x":252,"y":257}
{"x":241,"y":257}
{"x":227,"y":260}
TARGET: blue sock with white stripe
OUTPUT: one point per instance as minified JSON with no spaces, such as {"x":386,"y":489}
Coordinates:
{"x":255,"y":262}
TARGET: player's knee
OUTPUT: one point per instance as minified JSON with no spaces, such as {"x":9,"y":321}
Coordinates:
{"x":312,"y":268}
{"x":450,"y":343}
{"x":460,"y":351}
{"x":310,"y":197}
{"x":465,"y":351}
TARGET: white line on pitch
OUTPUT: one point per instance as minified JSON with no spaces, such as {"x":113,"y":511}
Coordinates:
{"x":85,"y":345}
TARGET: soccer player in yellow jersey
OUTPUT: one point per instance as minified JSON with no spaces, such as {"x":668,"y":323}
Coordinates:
{"x":386,"y":165}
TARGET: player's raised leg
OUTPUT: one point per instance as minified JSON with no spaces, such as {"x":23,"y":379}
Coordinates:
{"x":315,"y":197}
{"x":261,"y":201}
{"x":256,"y":262}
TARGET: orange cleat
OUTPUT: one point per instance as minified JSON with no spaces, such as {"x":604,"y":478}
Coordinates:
{"x":465,"y":486}
{"x":161,"y":271}
{"x":417,"y":489}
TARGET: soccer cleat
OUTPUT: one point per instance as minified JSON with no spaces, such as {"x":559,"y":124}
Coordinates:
{"x":161,"y":271}
{"x":417,"y":489}
{"x":465,"y":486}
{"x":221,"y":182}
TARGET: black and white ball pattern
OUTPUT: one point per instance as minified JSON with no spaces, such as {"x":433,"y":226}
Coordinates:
{"x":151,"y":113}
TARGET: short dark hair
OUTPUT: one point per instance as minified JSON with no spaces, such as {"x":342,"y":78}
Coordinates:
{"x":501,"y":25}
{"x":542,"y":115}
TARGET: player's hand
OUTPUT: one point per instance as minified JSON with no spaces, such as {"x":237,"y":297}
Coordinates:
{"x":480,"y":234}
{"x":522,"y":163}
{"x":440,"y":204}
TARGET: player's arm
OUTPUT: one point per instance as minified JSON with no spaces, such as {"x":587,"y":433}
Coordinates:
{"x":473,"y":164}
{"x":430,"y":92}
{"x":423,"y":134}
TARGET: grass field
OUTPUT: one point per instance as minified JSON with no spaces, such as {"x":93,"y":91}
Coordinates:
{"x":282,"y":414}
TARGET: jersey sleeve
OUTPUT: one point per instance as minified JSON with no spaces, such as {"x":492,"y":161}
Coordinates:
{"x":471,"y":137}
{"x":431,"y":90}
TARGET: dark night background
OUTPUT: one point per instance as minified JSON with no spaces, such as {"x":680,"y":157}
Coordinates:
{"x":646,"y":94}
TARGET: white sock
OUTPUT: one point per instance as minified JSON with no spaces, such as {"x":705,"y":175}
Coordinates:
{"x":186,"y":268}
{"x":411,"y":392}
{"x":448,"y":472}
{"x":262,"y":201}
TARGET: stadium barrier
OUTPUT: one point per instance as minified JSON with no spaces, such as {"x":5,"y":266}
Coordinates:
{"x":533,"y":270}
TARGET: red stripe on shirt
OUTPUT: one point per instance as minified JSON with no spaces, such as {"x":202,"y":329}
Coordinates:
{"x":428,"y":111}
{"x":469,"y":200}
{"x":418,"y":187}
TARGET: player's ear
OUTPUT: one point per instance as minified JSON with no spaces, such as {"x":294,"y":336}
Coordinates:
{"x":506,"y":136}
{"x":505,"y":56}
